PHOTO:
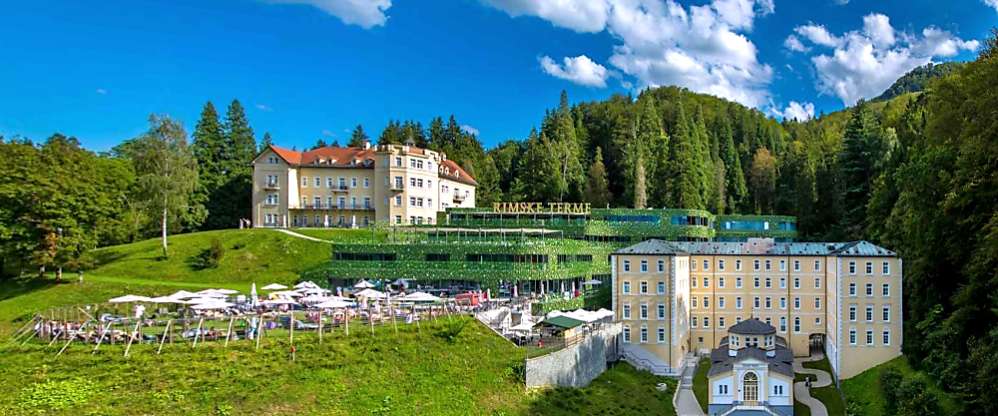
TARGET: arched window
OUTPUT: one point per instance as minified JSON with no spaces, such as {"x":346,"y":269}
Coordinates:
{"x":750,"y":387}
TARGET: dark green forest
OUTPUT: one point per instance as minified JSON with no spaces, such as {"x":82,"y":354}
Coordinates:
{"x":915,"y":171}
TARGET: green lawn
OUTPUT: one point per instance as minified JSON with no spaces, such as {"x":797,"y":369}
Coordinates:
{"x":701,"y":384}
{"x":863,"y":391}
{"x":621,"y":390}
{"x":260,"y":255}
{"x":344,"y":235}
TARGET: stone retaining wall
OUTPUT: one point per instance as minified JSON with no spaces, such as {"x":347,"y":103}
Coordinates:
{"x":578,"y":364}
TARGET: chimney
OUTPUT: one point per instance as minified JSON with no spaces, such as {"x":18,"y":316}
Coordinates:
{"x":367,"y":144}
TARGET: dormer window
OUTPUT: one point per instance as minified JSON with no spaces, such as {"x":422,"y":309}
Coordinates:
{"x":272,"y":160}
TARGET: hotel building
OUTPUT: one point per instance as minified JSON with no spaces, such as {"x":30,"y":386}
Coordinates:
{"x":356,"y":186}
{"x":679,"y":297}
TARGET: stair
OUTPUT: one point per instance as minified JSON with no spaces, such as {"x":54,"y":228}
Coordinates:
{"x":645,"y":360}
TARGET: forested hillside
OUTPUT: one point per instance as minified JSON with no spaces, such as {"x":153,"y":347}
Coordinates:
{"x":917,"y":79}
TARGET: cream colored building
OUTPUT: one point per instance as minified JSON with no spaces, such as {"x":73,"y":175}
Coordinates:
{"x":356,"y":186}
{"x":843,"y":298}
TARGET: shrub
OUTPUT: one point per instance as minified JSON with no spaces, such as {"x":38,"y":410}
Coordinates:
{"x":57,"y":395}
{"x":210,"y":257}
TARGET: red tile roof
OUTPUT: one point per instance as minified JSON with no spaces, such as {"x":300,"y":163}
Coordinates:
{"x":357,"y":157}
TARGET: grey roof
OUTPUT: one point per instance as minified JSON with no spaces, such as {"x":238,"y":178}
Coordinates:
{"x":752,"y":326}
{"x":781,"y":363}
{"x":653,"y":246}
{"x":853,"y":248}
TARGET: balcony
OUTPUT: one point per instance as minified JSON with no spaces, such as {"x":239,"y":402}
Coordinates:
{"x":397,"y":187}
{"x":341,"y":188}
{"x":272,"y":185}
{"x":459,"y":197}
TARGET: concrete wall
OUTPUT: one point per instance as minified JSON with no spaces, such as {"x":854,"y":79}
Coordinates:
{"x":577,"y":365}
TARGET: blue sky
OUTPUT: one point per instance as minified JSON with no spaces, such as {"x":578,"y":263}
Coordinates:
{"x":307,"y":69}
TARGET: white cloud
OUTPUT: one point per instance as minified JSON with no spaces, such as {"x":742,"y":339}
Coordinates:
{"x":264,"y":107}
{"x":580,"y":70}
{"x":797,"y":111}
{"x":363,"y":13}
{"x":101,"y":91}
{"x":794,"y":44}
{"x":841,"y":2}
{"x":992,"y":3}
{"x":702,"y":48}
{"x":469,"y":129}
{"x":863,"y":63}
{"x":328,"y":133}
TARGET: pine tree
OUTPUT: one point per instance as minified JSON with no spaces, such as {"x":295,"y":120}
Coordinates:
{"x":597,"y":188}
{"x":266,"y":142}
{"x":684,"y":172}
{"x":210,"y":149}
{"x":735,"y":176}
{"x":701,"y":161}
{"x":358,"y":138}
{"x":239,"y":138}
{"x":320,"y":143}
{"x":858,"y":161}
{"x":640,"y":192}
{"x":763,"y":181}
{"x":654,"y":148}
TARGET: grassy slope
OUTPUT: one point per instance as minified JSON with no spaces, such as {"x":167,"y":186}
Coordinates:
{"x":263,"y":256}
{"x":621,"y":390}
{"x":701,"y":384}
{"x":864,"y":389}
{"x":343,"y":235}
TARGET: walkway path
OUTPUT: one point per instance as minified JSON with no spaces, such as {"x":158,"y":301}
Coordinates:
{"x":802,"y":393}
{"x":686,"y":402}
{"x":303,"y":236}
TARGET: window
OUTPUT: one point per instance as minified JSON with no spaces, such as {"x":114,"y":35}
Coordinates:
{"x":412,"y":182}
{"x":720,"y":265}
{"x":783,"y":302}
{"x":886,"y":270}
{"x":694,"y":301}
{"x":706,"y":302}
{"x":783,"y":324}
{"x":412,"y":201}
{"x":720,"y":302}
{"x":886,"y":337}
{"x":887,"y":290}
{"x":796,"y":302}
{"x":783,"y":265}
{"x":778,"y":390}
{"x":755,"y":264}
{"x":720,"y":322}
{"x":738,"y":282}
{"x":693,"y":282}
{"x":796,"y":283}
{"x":769,"y":302}
{"x":869,"y":337}
{"x":869,"y":267}
{"x":644,"y":266}
{"x":887,"y":313}
{"x":852,"y":289}
{"x":272,"y":199}
{"x":661,"y":335}
{"x":367,"y":182}
{"x":769,"y":282}
{"x":738,"y":265}
{"x":398,"y":200}
{"x":750,"y":387}
{"x":817,"y":321}
{"x":755,"y":302}
{"x":852,"y":336}
{"x":852,"y":313}
{"x":643,"y":287}
{"x":706,"y":322}
{"x":869,"y":289}
{"x":720,"y":282}
{"x":796,"y":324}
{"x":852,"y":267}
{"x":627,"y":311}
{"x":783,"y":283}
{"x":661,"y":311}
{"x":817,"y":265}
{"x":706,"y":282}
{"x":304,"y":181}
{"x":738,"y":302}
{"x":643,"y":311}
{"x":660,"y":288}
{"x":722,"y":389}
{"x":626,"y":288}
{"x":706,"y":265}
{"x":817,"y":303}
{"x":755,"y":281}
{"x":869,"y":313}
{"x":627,"y":334}
{"x":693,"y":265}
{"x":817,"y":283}
{"x":318,"y":182}
{"x":796,"y":265}
{"x":627,"y":265}
{"x":272,"y":160}
{"x":693,"y":322}
{"x":329,"y":182}
{"x":661,"y":266}
{"x":769,"y":265}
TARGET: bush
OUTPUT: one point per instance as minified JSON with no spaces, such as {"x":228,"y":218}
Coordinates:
{"x":890,"y":382}
{"x":907,"y":395}
{"x":210,"y":257}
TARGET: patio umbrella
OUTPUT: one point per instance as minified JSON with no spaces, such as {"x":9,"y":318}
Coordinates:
{"x":420,"y":297}
{"x":333,"y":304}
{"x":592,"y":282}
{"x":274,"y":302}
{"x":169,"y":299}
{"x":130,"y":299}
{"x":370,"y":294}
{"x":274,"y":286}
{"x":306,"y":285}
{"x":253,"y":296}
{"x":286,"y":294}
{"x":226,"y":291}
{"x":363,"y":284}
{"x":183,"y":294}
{"x":313,"y":299}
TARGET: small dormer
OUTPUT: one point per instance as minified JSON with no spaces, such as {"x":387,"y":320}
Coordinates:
{"x":752,"y":333}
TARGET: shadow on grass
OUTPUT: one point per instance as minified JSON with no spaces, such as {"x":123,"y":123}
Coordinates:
{"x":14,"y":287}
{"x":621,"y":390}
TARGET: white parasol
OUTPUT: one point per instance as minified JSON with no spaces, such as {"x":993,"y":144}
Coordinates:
{"x":420,"y":297}
{"x":363,"y":284}
{"x":274,"y":286}
{"x":130,"y":299}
